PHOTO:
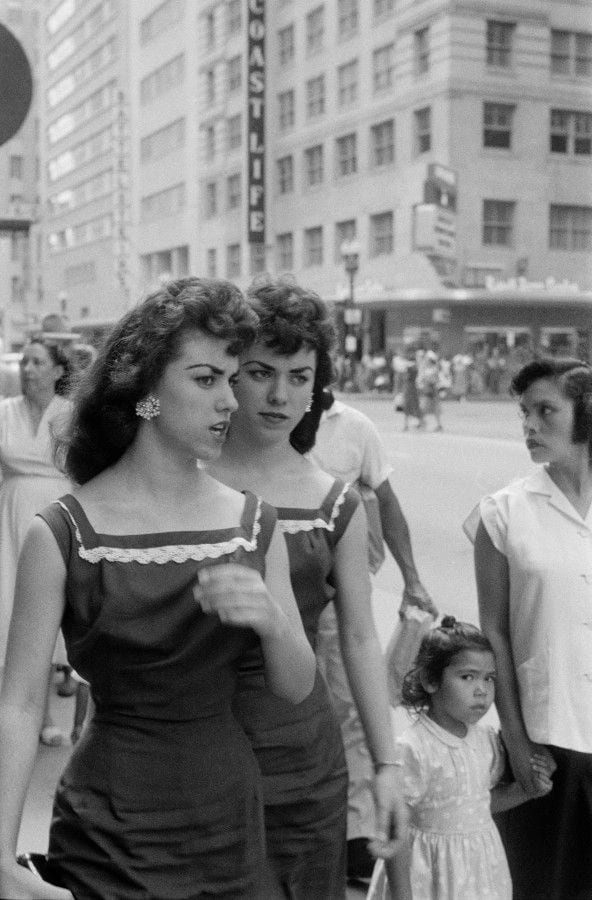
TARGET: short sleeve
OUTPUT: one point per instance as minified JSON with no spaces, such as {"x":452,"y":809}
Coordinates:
{"x":413,"y":773}
{"x":492,"y":511}
{"x":375,"y":467}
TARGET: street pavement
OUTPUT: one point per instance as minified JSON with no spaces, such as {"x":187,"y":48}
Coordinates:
{"x":438,"y":478}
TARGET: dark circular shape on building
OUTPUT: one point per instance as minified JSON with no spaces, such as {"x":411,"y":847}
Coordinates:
{"x":16,"y":85}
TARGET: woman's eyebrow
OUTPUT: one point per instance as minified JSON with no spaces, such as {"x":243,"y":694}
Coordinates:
{"x":214,"y":369}
{"x":258,"y":362}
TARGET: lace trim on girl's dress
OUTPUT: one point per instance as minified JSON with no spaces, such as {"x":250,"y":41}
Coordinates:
{"x":293,"y":526}
{"x":178,"y":553}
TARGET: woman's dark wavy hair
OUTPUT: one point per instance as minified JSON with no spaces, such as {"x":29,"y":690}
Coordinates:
{"x":134,"y":358}
{"x":58,"y":357}
{"x":292,"y":317}
{"x":573,"y":377}
{"x":438,"y":649}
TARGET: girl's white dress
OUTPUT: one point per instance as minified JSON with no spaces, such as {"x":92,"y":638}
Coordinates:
{"x":30,"y":481}
{"x":456,"y":850}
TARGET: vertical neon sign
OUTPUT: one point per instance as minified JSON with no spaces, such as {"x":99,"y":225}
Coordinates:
{"x":256,"y":122}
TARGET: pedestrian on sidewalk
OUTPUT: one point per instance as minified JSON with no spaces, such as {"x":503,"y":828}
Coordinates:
{"x":533,"y":562}
{"x":300,"y":750}
{"x":162,"y":578}
{"x":349,"y":447}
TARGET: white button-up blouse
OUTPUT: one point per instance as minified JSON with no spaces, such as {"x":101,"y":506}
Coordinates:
{"x":548,"y":546}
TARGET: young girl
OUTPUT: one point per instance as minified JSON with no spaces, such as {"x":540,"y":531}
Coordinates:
{"x":452,"y":769}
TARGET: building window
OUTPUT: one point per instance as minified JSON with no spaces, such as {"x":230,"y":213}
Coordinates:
{"x":383,"y":67}
{"x":421,"y":47}
{"x":498,"y":222}
{"x":163,"y":141}
{"x":381,"y":234}
{"x":234,"y":19}
{"x":16,"y":167}
{"x":233,"y":191}
{"x":570,"y":228}
{"x":285,"y":252}
{"x":210,"y":86}
{"x":160,"y":19}
{"x":233,"y":261}
{"x":211,"y":199}
{"x":313,"y":246}
{"x":286,"y":45}
{"x":477,"y":276}
{"x":499,"y":43}
{"x":315,"y":96}
{"x":571,"y":132}
{"x":315,"y":29}
{"x":571,"y":53}
{"x":257,"y":258}
{"x":285,"y":169}
{"x":344,"y":231}
{"x":347,"y":17}
{"x":313,"y":165}
{"x":383,"y":8}
{"x":347,"y":156}
{"x":347,"y":81}
{"x":210,"y":28}
{"x":211,"y":263}
{"x":234,"y":74}
{"x":210,"y":141}
{"x":163,"y":79}
{"x":286,"y":102}
{"x":382,"y":138}
{"x":234,"y":125}
{"x":497,"y":125}
{"x":423,"y":130}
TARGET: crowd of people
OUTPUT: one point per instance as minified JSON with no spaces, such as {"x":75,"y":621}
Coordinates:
{"x":200,"y":518}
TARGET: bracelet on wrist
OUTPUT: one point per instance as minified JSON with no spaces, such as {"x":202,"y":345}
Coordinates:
{"x":381,"y":764}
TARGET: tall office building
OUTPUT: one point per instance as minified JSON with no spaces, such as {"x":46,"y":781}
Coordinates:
{"x":19,"y":188}
{"x":85,"y":260}
{"x":452,"y":141}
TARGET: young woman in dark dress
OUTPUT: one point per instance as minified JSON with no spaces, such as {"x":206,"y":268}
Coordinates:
{"x":162,"y":578}
{"x":299,"y":749}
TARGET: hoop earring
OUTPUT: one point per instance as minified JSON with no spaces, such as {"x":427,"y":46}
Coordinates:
{"x":148,"y":408}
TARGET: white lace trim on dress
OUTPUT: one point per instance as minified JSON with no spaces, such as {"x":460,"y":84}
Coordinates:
{"x":293,"y":526}
{"x":178,"y":553}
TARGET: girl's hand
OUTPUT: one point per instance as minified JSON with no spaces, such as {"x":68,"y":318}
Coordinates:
{"x":528,"y":777}
{"x":20,"y":884}
{"x":238,"y":596}
{"x":543,"y":769}
{"x":391,"y":813}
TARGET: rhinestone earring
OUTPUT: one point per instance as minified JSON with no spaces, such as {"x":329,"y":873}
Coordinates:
{"x":309,"y":407}
{"x":148,"y":408}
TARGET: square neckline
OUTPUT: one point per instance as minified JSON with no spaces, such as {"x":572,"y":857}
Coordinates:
{"x":325,"y":509}
{"x":91,"y":538}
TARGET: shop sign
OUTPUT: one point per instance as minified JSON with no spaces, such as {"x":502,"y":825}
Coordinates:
{"x":434,"y":230}
{"x":549,"y":285}
{"x":256,"y":122}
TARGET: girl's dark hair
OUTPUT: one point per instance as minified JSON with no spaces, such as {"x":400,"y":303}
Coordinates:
{"x":58,"y":357}
{"x":134,"y":358}
{"x":438,"y":649}
{"x":292,"y":317}
{"x":573,"y":377}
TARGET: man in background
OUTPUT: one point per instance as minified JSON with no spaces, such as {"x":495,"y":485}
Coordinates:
{"x":349,"y":447}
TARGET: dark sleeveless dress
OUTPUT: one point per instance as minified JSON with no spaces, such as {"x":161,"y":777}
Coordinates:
{"x":161,"y":797}
{"x":299,"y":748}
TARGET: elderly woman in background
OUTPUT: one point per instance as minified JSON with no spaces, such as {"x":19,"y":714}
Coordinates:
{"x":533,"y":559}
{"x":30,"y":479}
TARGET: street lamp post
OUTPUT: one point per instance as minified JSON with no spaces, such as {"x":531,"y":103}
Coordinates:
{"x":350,"y":254}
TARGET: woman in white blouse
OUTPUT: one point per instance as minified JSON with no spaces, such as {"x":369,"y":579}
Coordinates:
{"x":533,"y":561}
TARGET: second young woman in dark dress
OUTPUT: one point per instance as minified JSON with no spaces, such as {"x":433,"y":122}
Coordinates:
{"x":300,"y":749}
